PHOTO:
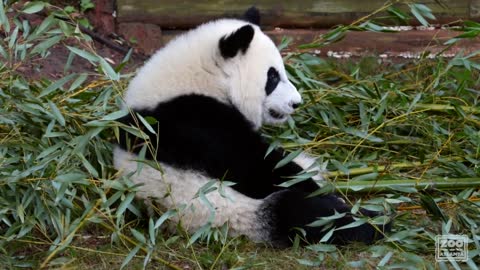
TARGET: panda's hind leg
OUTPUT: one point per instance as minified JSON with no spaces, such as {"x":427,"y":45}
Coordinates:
{"x":290,"y":209}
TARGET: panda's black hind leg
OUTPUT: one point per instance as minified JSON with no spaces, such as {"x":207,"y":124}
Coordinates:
{"x":289,"y":209}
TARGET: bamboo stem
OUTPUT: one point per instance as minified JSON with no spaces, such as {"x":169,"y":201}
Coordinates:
{"x":383,"y":168}
{"x":384,"y":185}
{"x":444,"y":107}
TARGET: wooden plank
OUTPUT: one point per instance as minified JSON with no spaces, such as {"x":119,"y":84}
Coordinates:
{"x":401,"y":45}
{"x":304,"y":13}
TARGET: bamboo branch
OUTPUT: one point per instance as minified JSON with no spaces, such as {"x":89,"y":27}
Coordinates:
{"x":386,"y":185}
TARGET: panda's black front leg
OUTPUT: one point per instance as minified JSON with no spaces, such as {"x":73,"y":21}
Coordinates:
{"x":286,"y":172}
{"x":290,"y":209}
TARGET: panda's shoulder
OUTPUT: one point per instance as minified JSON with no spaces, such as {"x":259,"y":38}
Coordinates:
{"x":199,"y":110}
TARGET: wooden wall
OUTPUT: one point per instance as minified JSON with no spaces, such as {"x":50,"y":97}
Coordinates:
{"x":299,"y":13}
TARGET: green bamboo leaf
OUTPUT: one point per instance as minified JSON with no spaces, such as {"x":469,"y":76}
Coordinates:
{"x":33,"y":7}
{"x":309,"y":262}
{"x":115,"y":115}
{"x":78,"y":81}
{"x":124,"y":204}
{"x":322,"y":248}
{"x":88,"y":166}
{"x":288,"y":158}
{"x":108,"y":70}
{"x":151,"y":230}
{"x":273,"y":145}
{"x":112,"y":199}
{"x":13,"y":38}
{"x":130,"y":256}
{"x":425,"y":10}
{"x":44,"y":26}
{"x":398,"y":13}
{"x":418,"y":14}
{"x":3,"y":53}
{"x":432,"y":207}
{"x":56,"y":85}
{"x":354,"y":224}
{"x":69,"y":62}
{"x":56,"y":113}
{"x":43,"y":46}
{"x":198,"y":234}
{"x":327,"y":236}
{"x":170,"y":213}
{"x":146,"y":124}
{"x":3,"y":18}
{"x":138,"y":235}
{"x":385,"y":259}
{"x":363,"y":134}
{"x":319,"y":223}
{"x":50,"y":150}
{"x":292,"y":182}
{"x":84,"y":54}
{"x":78,"y":178}
{"x":339,"y":166}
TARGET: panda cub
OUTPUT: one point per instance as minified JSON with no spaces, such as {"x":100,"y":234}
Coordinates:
{"x":209,"y":91}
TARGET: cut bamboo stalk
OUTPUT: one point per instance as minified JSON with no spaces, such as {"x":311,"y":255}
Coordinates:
{"x":388,"y":185}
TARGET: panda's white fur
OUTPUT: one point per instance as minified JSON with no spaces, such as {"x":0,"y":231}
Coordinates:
{"x":182,"y":187}
{"x":192,"y":66}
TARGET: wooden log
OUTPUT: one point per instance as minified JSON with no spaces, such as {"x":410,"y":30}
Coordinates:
{"x":305,"y":13}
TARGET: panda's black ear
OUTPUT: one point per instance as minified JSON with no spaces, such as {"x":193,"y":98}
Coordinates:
{"x":237,"y":41}
{"x":252,"y":15}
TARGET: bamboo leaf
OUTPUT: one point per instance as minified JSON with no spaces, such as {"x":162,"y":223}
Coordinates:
{"x":33,"y":7}
{"x":170,"y":213}
{"x":56,"y":85}
{"x":56,"y":112}
{"x":124,"y":204}
{"x":288,"y":158}
{"x":46,"y":44}
{"x":138,"y":235}
{"x":84,"y":54}
{"x":108,"y":70}
{"x":199,"y":233}
{"x":130,"y":256}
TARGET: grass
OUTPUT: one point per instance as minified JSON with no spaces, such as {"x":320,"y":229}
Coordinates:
{"x":398,"y":137}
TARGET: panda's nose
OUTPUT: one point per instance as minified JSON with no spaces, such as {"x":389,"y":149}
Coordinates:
{"x":295,"y":104}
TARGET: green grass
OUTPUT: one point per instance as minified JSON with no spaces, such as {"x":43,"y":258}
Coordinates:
{"x":397,"y":137}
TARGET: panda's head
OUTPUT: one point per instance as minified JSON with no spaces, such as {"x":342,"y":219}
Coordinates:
{"x":259,"y":85}
{"x":230,"y":60}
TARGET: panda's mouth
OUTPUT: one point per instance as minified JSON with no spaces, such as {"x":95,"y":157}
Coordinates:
{"x":276,"y":114}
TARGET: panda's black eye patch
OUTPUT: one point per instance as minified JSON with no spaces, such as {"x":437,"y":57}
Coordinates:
{"x":273,"y":78}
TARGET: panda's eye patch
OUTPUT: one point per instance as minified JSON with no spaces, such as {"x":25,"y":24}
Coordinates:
{"x":273,"y":78}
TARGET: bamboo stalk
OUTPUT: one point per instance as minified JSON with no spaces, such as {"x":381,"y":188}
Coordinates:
{"x":444,"y":107}
{"x":385,"y":185}
{"x":383,"y":168}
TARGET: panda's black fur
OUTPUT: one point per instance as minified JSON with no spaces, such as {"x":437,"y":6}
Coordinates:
{"x":199,"y":134}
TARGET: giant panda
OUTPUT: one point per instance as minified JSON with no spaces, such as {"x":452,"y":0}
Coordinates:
{"x":208,"y":93}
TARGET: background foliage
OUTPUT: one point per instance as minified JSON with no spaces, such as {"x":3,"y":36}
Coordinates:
{"x":404,"y":136}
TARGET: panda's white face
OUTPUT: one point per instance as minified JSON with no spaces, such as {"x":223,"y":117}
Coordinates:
{"x":281,"y":98}
{"x":258,"y":81}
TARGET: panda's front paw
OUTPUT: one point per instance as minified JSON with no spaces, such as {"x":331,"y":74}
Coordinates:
{"x":316,"y":216}
{"x":367,"y":233}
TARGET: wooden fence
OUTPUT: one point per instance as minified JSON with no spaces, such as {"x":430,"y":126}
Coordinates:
{"x":300,"y":13}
